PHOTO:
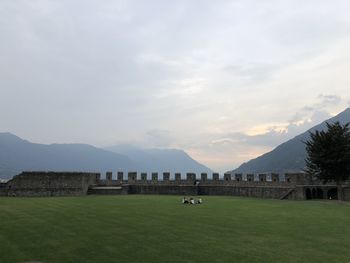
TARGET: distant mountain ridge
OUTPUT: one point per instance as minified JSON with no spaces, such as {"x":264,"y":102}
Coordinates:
{"x":17,"y":155}
{"x":289,"y":156}
{"x":153,"y":160}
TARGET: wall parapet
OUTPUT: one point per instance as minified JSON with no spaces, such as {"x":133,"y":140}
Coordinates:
{"x":290,"y":185}
{"x":203,"y":179}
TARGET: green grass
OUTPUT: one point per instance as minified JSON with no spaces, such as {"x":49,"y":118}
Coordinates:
{"x":160,"y":229}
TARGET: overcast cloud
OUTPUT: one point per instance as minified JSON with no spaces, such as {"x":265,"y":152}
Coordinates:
{"x":224,"y":80}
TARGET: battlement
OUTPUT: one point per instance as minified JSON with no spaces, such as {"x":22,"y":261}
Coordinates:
{"x":298,"y":186}
{"x":202,"y":179}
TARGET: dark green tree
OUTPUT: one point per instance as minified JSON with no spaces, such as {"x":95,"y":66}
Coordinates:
{"x":328,"y":154}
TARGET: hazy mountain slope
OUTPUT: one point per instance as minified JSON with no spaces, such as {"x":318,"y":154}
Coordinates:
{"x":17,"y":155}
{"x":289,"y":156}
{"x":161,"y":160}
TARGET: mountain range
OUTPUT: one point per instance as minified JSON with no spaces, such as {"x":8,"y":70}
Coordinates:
{"x":17,"y":155}
{"x":171,"y":160}
{"x":289,"y":156}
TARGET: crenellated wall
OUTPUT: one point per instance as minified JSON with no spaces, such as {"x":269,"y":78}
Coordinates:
{"x":295,"y":186}
{"x":202,"y":179}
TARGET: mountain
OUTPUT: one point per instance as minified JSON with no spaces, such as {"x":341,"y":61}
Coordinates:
{"x":17,"y":155}
{"x":160,"y":160}
{"x":289,"y":156}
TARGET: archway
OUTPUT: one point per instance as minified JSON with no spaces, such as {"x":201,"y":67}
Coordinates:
{"x":308,"y":194}
{"x":332,"y":193}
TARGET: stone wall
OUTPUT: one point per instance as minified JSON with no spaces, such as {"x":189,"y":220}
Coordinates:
{"x":50,"y":184}
{"x":163,"y":189}
{"x":293,"y":186}
{"x":346,"y":193}
{"x":188,"y":190}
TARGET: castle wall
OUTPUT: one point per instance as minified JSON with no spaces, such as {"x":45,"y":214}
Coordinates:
{"x":163,"y":189}
{"x":292,"y":186}
{"x":188,"y":190}
{"x":246,"y":191}
{"x":50,"y":184}
{"x":346,"y":193}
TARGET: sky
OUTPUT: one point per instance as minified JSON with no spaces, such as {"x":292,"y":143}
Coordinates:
{"x":226,"y":81}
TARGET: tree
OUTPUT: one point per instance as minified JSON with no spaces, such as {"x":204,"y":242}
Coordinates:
{"x":329,"y":154}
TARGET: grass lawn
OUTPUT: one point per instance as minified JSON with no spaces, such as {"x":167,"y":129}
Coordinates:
{"x":138,"y":228}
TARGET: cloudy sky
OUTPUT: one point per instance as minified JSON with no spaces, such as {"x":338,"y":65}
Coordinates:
{"x":224,"y":80}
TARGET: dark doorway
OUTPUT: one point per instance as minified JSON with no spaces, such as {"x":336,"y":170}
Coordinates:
{"x":332,"y":193}
{"x":308,"y":194}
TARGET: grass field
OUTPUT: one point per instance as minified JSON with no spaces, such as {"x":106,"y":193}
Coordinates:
{"x":160,"y":229}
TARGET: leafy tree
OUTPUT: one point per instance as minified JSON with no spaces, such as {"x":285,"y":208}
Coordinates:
{"x":329,"y":154}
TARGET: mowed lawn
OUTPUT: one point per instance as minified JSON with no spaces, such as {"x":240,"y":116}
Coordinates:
{"x":139,"y":228}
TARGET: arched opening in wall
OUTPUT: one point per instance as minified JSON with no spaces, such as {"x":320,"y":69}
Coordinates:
{"x":314,"y":193}
{"x":319,"y":193}
{"x":332,"y":193}
{"x":308,"y":194}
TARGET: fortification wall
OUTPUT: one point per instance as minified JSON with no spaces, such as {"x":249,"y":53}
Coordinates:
{"x":346,"y":193}
{"x":163,"y":189}
{"x":289,"y":186}
{"x":229,"y":190}
{"x":50,"y":184}
{"x":246,"y":191}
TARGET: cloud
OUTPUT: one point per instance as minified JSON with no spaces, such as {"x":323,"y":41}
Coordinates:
{"x":329,"y":100}
{"x":271,"y":135}
{"x":222,"y":81}
{"x":252,"y":71}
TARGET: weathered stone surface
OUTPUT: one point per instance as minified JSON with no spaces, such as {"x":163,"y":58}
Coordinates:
{"x":215,"y":177}
{"x":166,"y":176}
{"x":155,"y":177}
{"x":238,"y":177}
{"x":178,"y":177}
{"x":132,"y":176}
{"x":144,"y":177}
{"x":295,"y":186}
{"x":250,"y":177}
{"x":227,"y":178}
{"x":50,"y":184}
